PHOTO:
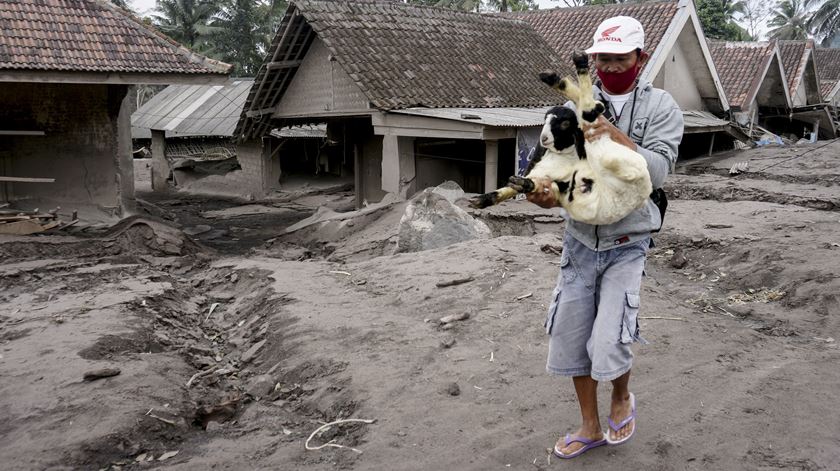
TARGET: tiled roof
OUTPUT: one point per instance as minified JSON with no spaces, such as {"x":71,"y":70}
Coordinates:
{"x":794,"y":58}
{"x":405,"y":56}
{"x":192,"y":110}
{"x":826,"y":87}
{"x":89,"y":36}
{"x":567,"y":29}
{"x":828,"y":63}
{"x":740,"y":65}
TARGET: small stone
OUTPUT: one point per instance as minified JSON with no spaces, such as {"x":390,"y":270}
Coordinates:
{"x":260,"y":386}
{"x":252,"y":352}
{"x":453,"y":389}
{"x":99,"y":374}
{"x":447,"y":342}
{"x":678,"y":260}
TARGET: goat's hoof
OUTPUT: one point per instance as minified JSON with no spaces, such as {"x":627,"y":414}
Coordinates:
{"x":483,"y":201}
{"x":550,"y":78}
{"x":521,"y":184}
{"x":581,"y":60}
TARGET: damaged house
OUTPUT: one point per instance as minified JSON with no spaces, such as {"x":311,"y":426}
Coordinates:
{"x":411,"y":96}
{"x":828,"y":66}
{"x":66,"y":67}
{"x":809,"y":113}
{"x":680,"y":61}
{"x":754,"y":81}
{"x":189,"y":129}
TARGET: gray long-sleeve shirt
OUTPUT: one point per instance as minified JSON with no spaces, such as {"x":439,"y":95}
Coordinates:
{"x":654,"y":121}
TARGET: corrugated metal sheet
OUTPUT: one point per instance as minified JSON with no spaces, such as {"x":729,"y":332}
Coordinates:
{"x":192,"y":110}
{"x":496,"y":117}
{"x":702,"y":119}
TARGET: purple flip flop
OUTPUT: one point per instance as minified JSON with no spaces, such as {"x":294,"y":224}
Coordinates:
{"x":587,"y":445}
{"x":615,"y":427}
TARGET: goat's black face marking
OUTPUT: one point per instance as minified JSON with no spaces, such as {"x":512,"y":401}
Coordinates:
{"x":563,"y":126}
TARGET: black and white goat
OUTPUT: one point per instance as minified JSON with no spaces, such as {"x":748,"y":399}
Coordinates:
{"x":597,"y":182}
{"x":561,"y":142}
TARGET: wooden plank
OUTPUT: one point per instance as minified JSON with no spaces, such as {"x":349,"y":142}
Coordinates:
{"x":20,"y":133}
{"x":26,"y":180}
{"x":21,"y":227}
{"x":283,"y":64}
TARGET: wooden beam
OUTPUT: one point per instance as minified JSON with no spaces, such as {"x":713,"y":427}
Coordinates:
{"x":21,"y":133}
{"x":26,"y":180}
{"x":283,"y":64}
{"x":258,"y":113}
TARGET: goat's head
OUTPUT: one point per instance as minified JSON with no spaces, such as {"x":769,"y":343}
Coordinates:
{"x":560,"y":129}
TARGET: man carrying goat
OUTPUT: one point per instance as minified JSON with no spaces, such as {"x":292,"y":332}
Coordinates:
{"x":593,"y":316}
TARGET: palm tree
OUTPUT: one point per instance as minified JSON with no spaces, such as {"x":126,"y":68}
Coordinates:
{"x":186,"y":21}
{"x":825,"y":21}
{"x":790,"y":21}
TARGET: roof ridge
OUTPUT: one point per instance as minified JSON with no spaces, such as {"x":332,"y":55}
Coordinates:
{"x":192,"y":56}
{"x":494,"y":16}
{"x":602,"y":6}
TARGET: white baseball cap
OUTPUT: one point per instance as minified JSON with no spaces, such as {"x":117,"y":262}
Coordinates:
{"x":618,"y":35}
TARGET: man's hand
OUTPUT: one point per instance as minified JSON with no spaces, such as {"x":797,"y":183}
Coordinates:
{"x":603,"y":127}
{"x":542,"y":195}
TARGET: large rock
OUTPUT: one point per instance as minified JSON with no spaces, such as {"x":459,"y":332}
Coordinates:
{"x":431,"y":220}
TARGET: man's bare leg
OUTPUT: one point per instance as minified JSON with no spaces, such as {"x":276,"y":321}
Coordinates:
{"x":587,"y":393}
{"x":620,"y":407}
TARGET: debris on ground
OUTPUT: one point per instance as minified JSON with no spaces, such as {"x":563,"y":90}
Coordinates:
{"x":101,"y":373}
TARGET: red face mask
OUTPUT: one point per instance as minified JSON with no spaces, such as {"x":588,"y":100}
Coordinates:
{"x":618,"y":82}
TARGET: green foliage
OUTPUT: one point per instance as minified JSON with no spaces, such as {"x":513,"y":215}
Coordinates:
{"x":718,"y":19}
{"x":245,"y":30}
{"x":789,"y":21}
{"x":187,"y":21}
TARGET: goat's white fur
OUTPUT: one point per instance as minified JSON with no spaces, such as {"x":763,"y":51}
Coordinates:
{"x":622,"y":181}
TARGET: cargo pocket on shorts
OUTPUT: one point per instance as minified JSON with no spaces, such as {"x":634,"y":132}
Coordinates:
{"x":630,"y":320}
{"x":555,"y":295}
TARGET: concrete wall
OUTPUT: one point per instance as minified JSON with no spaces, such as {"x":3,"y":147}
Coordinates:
{"x":321,"y":85}
{"x":86,"y":144}
{"x":679,"y":78}
{"x":259,"y":173}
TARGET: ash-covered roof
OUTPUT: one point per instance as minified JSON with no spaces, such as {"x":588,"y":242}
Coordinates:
{"x":403,"y":56}
{"x":568,"y":29}
{"x":90,"y":36}
{"x":794,"y":59}
{"x":741,"y":67}
{"x":828,"y":62}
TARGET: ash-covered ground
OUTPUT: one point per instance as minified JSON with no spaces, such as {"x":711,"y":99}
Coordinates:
{"x":234,"y":340}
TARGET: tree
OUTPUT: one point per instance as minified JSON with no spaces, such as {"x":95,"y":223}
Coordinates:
{"x":825,"y":21}
{"x":187,"y":21}
{"x":245,"y":30}
{"x":789,"y":21}
{"x":754,"y":13}
{"x":718,"y":19}
{"x":511,"y":5}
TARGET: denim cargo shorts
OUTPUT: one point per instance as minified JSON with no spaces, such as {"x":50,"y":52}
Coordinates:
{"x":593,"y":316}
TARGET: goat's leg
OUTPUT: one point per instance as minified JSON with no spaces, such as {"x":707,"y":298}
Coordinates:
{"x":492,"y":198}
{"x":588,"y":106}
